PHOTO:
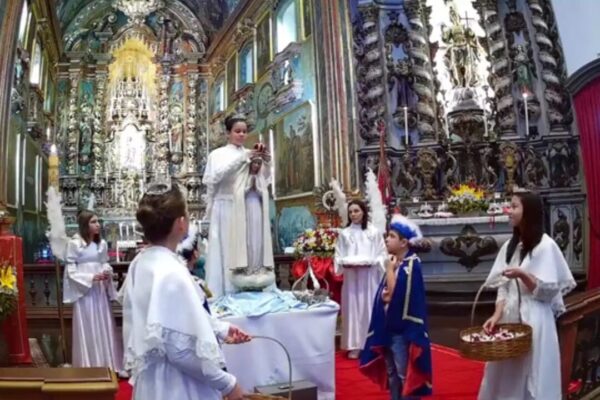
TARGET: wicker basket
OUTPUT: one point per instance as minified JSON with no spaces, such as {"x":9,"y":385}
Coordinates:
{"x":500,"y":349}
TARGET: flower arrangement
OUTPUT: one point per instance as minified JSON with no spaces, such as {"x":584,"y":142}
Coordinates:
{"x":8,"y":290}
{"x":320,"y":242}
{"x":467,"y":199}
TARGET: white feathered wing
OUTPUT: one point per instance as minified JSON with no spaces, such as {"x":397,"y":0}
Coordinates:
{"x":57,"y":234}
{"x":340,"y":199}
{"x":378,"y":210}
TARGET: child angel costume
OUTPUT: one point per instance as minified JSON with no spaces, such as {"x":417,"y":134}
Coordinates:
{"x":95,"y":340}
{"x":360,"y":255}
{"x":536,"y":375}
{"x":170,"y":340}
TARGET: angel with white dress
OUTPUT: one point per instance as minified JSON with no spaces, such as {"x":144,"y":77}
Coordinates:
{"x":534,"y":264}
{"x":89,"y":286}
{"x":360,"y":254}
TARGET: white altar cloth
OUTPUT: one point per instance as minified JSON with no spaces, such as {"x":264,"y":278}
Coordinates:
{"x":308,"y":335}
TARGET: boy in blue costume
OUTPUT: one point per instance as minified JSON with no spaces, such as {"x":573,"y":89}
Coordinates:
{"x":397,"y":353}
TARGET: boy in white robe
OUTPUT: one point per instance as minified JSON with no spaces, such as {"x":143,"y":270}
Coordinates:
{"x":171,"y":348}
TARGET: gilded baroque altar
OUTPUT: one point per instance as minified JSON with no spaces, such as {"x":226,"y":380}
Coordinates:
{"x":469,"y":91}
{"x":132,"y":102}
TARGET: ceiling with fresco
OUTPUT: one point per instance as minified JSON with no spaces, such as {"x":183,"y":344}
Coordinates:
{"x":76,"y":16}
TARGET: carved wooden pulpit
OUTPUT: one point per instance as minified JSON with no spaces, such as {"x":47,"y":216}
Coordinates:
{"x":15,"y":326}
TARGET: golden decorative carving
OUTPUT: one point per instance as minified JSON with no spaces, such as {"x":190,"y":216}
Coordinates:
{"x":510,"y":159}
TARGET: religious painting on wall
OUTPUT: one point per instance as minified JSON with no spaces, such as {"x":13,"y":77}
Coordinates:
{"x":294,"y":153}
{"x":231,"y":78}
{"x":307,"y":17}
{"x":294,"y":216}
{"x":263,"y":44}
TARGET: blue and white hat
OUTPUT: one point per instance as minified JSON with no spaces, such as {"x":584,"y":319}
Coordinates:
{"x":406,"y":228}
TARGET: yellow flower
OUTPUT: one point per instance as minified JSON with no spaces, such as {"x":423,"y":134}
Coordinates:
{"x":7,"y":277}
{"x":467,"y":191}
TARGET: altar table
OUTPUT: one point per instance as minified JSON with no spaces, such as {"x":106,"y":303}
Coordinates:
{"x":308,"y":335}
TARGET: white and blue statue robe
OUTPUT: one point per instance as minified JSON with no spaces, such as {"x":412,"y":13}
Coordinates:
{"x":537,"y":374}
{"x":95,"y":339}
{"x":406,"y":315}
{"x":226,"y":178}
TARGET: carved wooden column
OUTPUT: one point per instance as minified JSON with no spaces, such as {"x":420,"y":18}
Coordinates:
{"x":423,"y":73}
{"x":338,"y":139}
{"x":71,"y":150}
{"x":502,"y":85}
{"x":9,"y":23}
{"x":98,"y":139}
{"x":191,"y":121}
{"x":161,"y":166}
{"x":560,"y":115}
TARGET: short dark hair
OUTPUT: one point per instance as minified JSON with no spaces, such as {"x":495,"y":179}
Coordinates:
{"x":187,"y":254}
{"x":365,"y":210}
{"x":157,"y":213}
{"x":231,"y":120}
{"x":83,"y":221}
{"x":531,"y":229}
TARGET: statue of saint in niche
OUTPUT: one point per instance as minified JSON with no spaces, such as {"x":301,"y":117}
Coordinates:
{"x":463,"y":51}
{"x":523,"y":69}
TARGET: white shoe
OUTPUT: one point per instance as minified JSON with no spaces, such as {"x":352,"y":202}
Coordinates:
{"x":123,"y":374}
{"x":353,"y":354}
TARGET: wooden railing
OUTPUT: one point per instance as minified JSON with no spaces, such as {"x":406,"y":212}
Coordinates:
{"x":579,"y":333}
{"x":40,"y":285}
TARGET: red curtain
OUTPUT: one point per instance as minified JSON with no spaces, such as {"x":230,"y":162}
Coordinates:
{"x":587,"y":106}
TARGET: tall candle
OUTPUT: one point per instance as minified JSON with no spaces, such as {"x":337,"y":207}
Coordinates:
{"x":170,"y":142}
{"x":260,"y":138}
{"x":485,"y":134}
{"x":526,"y":115}
{"x":207,"y":143}
{"x":447,"y":128}
{"x":406,"y":126}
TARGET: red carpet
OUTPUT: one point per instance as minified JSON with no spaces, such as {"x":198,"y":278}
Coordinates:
{"x":453,"y":379}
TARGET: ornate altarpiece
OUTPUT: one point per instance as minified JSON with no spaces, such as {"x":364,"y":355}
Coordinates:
{"x":132,"y":103}
{"x":469,"y":91}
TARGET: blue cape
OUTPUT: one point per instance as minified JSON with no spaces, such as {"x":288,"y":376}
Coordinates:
{"x":406,"y":315}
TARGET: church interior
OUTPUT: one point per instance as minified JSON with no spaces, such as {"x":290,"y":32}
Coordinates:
{"x":447,"y":107}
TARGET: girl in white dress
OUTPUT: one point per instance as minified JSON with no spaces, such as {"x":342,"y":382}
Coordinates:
{"x":170,"y":340}
{"x":534,"y":261}
{"x":89,"y":286}
{"x":226,"y":202}
{"x":360,"y":255}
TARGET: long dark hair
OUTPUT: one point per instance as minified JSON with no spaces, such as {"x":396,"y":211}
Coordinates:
{"x":83,"y":220}
{"x":365,"y":210}
{"x":530,"y":229}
